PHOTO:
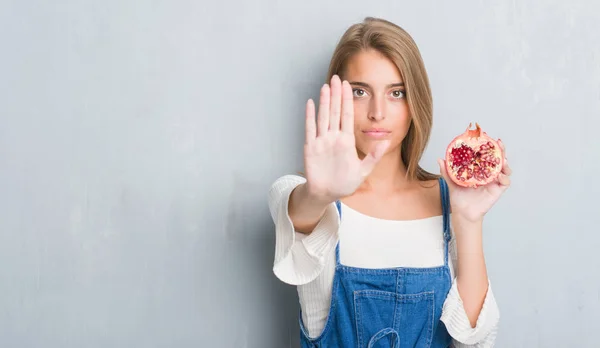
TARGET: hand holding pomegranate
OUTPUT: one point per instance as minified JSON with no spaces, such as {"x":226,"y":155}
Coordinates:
{"x":477,"y":173}
{"x":332,"y":166}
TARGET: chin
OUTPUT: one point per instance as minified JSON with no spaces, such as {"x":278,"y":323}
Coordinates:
{"x":363,"y":147}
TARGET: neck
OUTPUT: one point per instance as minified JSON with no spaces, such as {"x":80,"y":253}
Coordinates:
{"x":388,"y":174}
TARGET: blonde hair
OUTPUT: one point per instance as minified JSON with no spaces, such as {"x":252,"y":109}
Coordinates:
{"x":397,"y":45}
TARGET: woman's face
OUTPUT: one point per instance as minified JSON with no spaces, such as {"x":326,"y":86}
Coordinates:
{"x":380,"y":108}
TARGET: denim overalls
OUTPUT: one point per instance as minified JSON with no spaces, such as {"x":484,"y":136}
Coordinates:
{"x":391,"y":307}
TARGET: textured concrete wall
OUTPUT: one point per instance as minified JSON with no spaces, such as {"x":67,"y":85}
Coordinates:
{"x":138,"y":140}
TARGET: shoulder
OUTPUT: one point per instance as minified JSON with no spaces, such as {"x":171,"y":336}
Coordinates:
{"x":431,"y":190}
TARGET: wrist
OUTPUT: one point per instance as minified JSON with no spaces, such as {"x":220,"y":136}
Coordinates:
{"x":469,"y":236}
{"x":466,"y":228}
{"x":317,"y":196}
{"x":466,"y":222}
{"x":304,"y":210}
{"x":467,"y":216}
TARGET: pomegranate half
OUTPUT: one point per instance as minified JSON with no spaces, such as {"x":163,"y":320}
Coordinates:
{"x":473,"y":158}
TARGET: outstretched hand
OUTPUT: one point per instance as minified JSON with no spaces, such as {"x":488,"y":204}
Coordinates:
{"x":473,"y":203}
{"x":332,"y":166}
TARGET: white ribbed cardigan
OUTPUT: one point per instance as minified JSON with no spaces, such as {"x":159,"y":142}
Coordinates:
{"x":308,"y":262}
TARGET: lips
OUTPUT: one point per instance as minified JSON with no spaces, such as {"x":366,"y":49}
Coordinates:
{"x":376,"y":132}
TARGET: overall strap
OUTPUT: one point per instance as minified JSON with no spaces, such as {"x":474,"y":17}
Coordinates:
{"x":445,"y":195}
{"x":338,"y":205}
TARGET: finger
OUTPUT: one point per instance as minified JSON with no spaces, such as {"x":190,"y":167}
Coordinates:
{"x":506,"y":168}
{"x":311,"y":126}
{"x":347,"y":108}
{"x":504,"y":180}
{"x":323,"y":118}
{"x":502,"y":147}
{"x":371,"y":159}
{"x":336,"y":103}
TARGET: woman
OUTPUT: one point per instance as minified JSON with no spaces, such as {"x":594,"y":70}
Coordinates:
{"x":366,"y":234}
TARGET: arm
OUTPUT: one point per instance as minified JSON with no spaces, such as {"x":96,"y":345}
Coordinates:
{"x":333,"y":167}
{"x":299,"y":257}
{"x":470,"y":311}
{"x":333,"y":170}
{"x":472,"y":278}
{"x":465,"y":333}
{"x":306,"y":209}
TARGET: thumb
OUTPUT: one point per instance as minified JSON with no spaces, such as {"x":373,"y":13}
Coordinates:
{"x":444,"y":172}
{"x":371,"y":159}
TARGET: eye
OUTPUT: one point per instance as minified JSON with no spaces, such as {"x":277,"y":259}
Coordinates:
{"x":398,"y":94}
{"x":357,"y":92}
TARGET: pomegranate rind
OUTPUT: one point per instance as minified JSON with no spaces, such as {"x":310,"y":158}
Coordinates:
{"x":474,"y":139}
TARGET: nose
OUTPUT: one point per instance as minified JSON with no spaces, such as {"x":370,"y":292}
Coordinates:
{"x":376,"y":109}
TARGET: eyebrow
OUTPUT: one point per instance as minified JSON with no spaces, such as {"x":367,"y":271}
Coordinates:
{"x":401,"y":84}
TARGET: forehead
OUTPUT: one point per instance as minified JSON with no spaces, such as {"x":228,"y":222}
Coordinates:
{"x":373,"y":68}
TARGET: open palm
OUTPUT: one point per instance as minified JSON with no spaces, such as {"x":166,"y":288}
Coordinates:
{"x":474,"y":203}
{"x":333,"y":168}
